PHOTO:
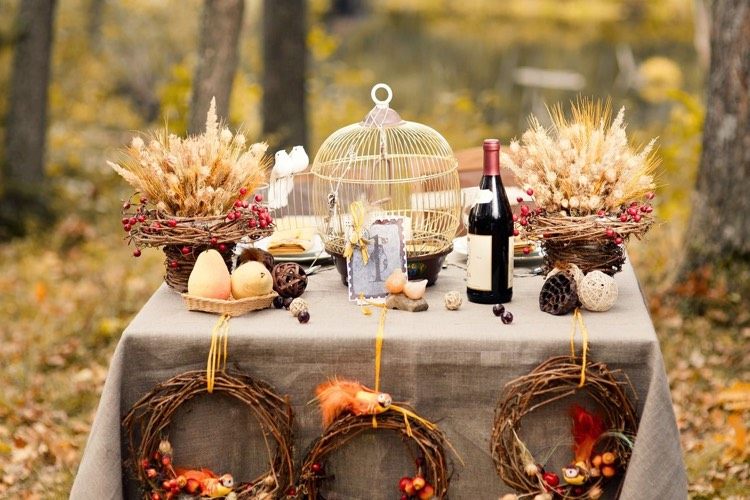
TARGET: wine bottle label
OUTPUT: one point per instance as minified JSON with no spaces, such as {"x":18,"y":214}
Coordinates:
{"x":511,"y":251}
{"x":479,"y":262}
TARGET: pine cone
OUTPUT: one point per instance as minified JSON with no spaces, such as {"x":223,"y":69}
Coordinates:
{"x":559,"y":294}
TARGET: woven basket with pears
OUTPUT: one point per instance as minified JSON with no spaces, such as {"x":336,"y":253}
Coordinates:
{"x":192,"y":194}
{"x":593,"y":190}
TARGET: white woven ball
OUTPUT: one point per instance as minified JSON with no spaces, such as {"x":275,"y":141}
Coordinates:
{"x":297,"y":306}
{"x":597,"y":291}
{"x":452,"y":301}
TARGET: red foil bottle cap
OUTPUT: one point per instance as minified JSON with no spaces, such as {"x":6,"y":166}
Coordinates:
{"x":491,"y":157}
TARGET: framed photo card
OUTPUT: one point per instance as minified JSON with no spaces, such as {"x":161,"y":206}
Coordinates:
{"x":386,"y":249}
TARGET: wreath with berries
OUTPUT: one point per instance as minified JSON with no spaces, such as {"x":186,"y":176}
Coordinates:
{"x":610,"y":429}
{"x":424,"y":441}
{"x":147,"y":422}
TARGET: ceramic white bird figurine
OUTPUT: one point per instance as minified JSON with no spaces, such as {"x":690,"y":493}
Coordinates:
{"x":281,"y":180}
{"x":299,"y":158}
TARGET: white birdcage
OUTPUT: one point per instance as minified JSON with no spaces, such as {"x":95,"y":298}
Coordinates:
{"x":399,"y":169}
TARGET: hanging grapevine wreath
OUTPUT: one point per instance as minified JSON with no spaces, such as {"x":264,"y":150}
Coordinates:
{"x":603,"y":439}
{"x":350,"y":409}
{"x":148,"y":420}
{"x":428,"y":443}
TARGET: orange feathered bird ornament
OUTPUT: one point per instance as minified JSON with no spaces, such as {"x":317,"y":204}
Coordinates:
{"x":337,"y":396}
{"x":204,"y":482}
{"x":587,"y":429}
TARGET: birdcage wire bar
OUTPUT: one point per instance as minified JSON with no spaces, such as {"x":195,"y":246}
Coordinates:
{"x":399,"y":169}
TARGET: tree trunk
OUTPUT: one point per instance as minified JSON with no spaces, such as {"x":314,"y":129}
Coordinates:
{"x":217,"y":60}
{"x":94,"y":23}
{"x":719,"y":229}
{"x":284,"y":60}
{"x":26,"y":124}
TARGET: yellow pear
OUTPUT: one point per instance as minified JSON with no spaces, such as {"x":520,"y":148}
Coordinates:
{"x":250,"y":280}
{"x":210,"y":277}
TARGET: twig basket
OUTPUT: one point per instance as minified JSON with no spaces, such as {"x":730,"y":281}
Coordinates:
{"x":591,"y":242}
{"x":232,"y":307}
{"x":184,"y":238}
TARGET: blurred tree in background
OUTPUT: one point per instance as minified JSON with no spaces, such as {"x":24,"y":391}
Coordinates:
{"x":218,"y":55}
{"x":284,"y":72}
{"x":292,"y":72}
{"x":719,"y":231}
{"x":22,"y":196}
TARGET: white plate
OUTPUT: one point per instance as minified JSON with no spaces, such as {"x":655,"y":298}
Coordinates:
{"x":461,"y":249}
{"x":317,"y":251}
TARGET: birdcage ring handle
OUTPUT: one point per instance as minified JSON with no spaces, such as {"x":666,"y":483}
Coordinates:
{"x":381,"y":103}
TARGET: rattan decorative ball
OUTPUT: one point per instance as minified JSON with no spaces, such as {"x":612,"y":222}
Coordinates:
{"x":400,"y":169}
{"x":297,"y":306}
{"x":289,"y":279}
{"x":559,"y":294}
{"x":453,"y":300}
{"x":597,"y":291}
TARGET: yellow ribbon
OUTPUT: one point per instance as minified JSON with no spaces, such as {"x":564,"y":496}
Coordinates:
{"x":378,"y":340}
{"x":406,"y":413}
{"x":217,"y":360}
{"x":357,"y":211}
{"x":578,"y":322}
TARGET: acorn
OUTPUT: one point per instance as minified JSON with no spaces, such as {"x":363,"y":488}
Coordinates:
{"x":165,"y":447}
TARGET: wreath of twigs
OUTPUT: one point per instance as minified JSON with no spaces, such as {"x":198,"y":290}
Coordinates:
{"x":194,"y":233}
{"x":147,"y":421}
{"x":429,"y":442}
{"x":583,"y":240}
{"x":555,"y":379}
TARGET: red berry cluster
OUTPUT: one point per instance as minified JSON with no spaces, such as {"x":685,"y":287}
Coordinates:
{"x":416,"y":487}
{"x":631,"y":213}
{"x":260,"y":216}
{"x":140,"y":216}
{"x":149,"y":221}
{"x":523,"y":218}
{"x":158,"y":469}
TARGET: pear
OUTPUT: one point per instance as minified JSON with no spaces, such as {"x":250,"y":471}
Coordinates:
{"x":251,"y":279}
{"x":210,"y":277}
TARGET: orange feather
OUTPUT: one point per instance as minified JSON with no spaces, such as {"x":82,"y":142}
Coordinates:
{"x":587,"y":428}
{"x":337,"y":396}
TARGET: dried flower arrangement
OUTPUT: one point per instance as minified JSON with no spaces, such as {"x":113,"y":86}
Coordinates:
{"x":195,"y":176}
{"x":193,"y":193}
{"x":591,"y":186}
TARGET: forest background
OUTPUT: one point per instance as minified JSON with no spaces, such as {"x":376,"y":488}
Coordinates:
{"x":297,"y":71}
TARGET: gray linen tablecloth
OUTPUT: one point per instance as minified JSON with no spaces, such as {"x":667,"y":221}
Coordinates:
{"x":450,"y":365}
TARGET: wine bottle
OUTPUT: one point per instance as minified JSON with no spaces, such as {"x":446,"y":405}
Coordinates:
{"x":489,"y":270}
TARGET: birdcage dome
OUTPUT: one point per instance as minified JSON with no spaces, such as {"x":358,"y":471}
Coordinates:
{"x":399,"y":169}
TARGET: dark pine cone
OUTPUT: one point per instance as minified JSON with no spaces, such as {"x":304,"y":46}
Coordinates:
{"x":289,"y":279}
{"x":559,"y":294}
{"x":256,"y":254}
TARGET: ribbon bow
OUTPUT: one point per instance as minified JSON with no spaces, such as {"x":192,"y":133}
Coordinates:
{"x":356,"y":238}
